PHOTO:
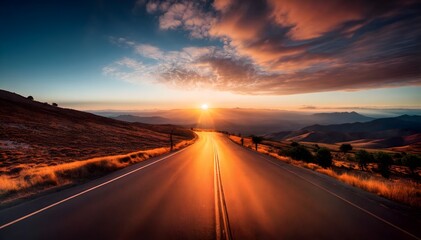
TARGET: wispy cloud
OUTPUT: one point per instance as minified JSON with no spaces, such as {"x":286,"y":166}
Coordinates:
{"x":149,"y":51}
{"x":189,"y":15}
{"x":182,"y":68}
{"x":285,"y":47}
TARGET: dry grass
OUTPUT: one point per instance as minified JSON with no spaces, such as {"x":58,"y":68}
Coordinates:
{"x":399,"y":190}
{"x":28,"y":179}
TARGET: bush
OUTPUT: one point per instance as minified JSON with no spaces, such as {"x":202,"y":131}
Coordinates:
{"x":256,"y":140}
{"x":412,"y":162}
{"x":324,"y":157}
{"x":54,"y":104}
{"x":384,"y":161}
{"x":350,"y":158}
{"x":300,"y":153}
{"x":30,"y":98}
{"x":283,"y":152}
{"x":316,"y":147}
{"x":345,"y":148}
{"x":363,"y":157}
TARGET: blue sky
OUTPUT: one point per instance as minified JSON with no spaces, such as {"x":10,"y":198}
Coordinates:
{"x":176,"y":54}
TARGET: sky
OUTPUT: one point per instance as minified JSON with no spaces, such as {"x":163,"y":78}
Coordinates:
{"x":148,"y":54}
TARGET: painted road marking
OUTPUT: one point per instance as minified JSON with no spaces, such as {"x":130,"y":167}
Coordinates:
{"x":87,"y":190}
{"x":343,"y":199}
{"x":220,"y":205}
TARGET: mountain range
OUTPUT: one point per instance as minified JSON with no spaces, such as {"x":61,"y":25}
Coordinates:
{"x":239,"y":120}
{"x":401,"y":131}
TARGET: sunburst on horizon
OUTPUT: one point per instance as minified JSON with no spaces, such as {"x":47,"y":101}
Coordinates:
{"x":204,"y":106}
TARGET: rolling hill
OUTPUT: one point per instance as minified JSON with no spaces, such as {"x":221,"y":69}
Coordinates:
{"x":148,"y":120}
{"x":38,"y":133}
{"x":399,"y":131}
{"x":339,"y":117}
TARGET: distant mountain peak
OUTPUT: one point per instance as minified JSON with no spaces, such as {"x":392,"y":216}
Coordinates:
{"x":340,"y":117}
{"x":339,"y":113}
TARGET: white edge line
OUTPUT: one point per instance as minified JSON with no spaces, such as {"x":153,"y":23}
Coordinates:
{"x":87,"y":190}
{"x":343,"y":199}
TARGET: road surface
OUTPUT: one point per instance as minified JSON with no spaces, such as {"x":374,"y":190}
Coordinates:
{"x":213,"y":189}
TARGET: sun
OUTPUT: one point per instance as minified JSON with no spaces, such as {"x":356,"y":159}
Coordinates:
{"x":204,"y":106}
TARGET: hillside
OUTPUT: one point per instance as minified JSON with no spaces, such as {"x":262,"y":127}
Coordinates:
{"x":380,"y":133}
{"x":148,"y":120}
{"x":37,"y":133}
{"x":404,"y":122}
{"x":339,"y":117}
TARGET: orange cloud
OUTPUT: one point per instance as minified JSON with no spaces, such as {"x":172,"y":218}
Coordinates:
{"x":292,"y":46}
{"x":310,"y":19}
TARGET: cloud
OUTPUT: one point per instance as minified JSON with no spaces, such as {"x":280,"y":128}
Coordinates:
{"x":122,"y":42}
{"x":149,"y":51}
{"x":176,"y":68}
{"x":130,"y":70}
{"x":188,"y":15}
{"x":283,"y":34}
{"x":310,"y":18}
{"x":152,"y":6}
{"x":308,"y":107}
{"x":287,"y":47}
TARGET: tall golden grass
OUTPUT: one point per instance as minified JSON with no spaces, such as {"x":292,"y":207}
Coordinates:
{"x":57,"y":175}
{"x":400,"y":190}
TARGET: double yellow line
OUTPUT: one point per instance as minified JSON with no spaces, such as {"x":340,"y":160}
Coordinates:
{"x":221,"y":215}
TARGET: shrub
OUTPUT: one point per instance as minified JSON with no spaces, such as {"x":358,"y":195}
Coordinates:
{"x":412,"y":162}
{"x":30,"y":98}
{"x":300,"y":153}
{"x":384,"y":161}
{"x":350,"y":158}
{"x":345,"y":148}
{"x":294,"y":144}
{"x":363,"y":157}
{"x":283,"y":152}
{"x":54,"y":104}
{"x":324,"y":157}
{"x":316,"y":147}
{"x":256,"y":140}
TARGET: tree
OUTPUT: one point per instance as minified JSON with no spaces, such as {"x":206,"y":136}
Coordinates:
{"x":300,"y":153}
{"x":256,"y":140}
{"x":54,"y":104}
{"x":412,"y":162}
{"x":171,"y":139}
{"x":345,"y":148}
{"x":324,"y":157}
{"x":30,"y":98}
{"x":384,"y":161}
{"x":363,"y":157}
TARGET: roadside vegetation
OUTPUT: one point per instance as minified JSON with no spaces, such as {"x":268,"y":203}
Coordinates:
{"x":44,"y":146}
{"x":389,"y":174}
{"x":30,"y":180}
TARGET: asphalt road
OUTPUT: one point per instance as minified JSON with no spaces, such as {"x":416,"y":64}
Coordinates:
{"x":213,"y":189}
